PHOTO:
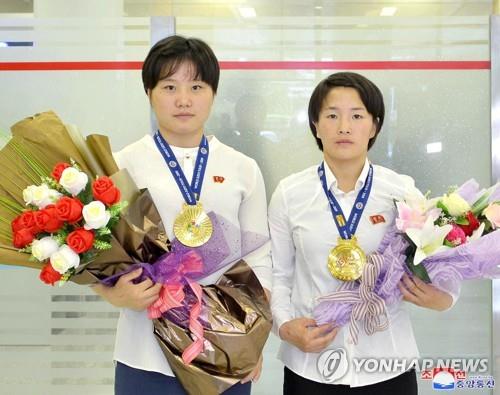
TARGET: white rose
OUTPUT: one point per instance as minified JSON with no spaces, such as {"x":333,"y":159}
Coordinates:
{"x":28,"y":194}
{"x":44,"y":248}
{"x":95,"y":215}
{"x":40,"y":196}
{"x":73,"y":181}
{"x":64,"y":259}
{"x":455,"y":204}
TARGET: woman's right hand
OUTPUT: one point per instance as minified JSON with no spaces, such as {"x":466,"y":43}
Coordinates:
{"x":127,"y":294}
{"x":306,"y":335}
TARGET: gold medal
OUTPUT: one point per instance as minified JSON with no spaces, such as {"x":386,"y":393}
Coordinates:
{"x":193,"y":227}
{"x":346,"y":260}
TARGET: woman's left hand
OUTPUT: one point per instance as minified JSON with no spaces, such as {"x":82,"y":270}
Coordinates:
{"x":255,"y":374}
{"x":421,"y":294}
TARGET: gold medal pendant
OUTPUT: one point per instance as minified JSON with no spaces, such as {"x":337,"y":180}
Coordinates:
{"x":193,"y":227}
{"x":346,"y":260}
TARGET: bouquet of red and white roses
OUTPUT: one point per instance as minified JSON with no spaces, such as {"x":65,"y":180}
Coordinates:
{"x":60,"y":208}
{"x":68,"y":221}
{"x":75,"y":228}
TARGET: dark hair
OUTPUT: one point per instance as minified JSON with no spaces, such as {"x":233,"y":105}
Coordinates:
{"x":168,"y":54}
{"x":368,"y":92}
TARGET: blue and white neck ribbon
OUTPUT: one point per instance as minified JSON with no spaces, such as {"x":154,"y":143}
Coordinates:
{"x":190,"y":192}
{"x":347,"y":229}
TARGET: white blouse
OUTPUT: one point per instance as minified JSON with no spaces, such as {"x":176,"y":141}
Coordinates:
{"x":239,"y":196}
{"x":303,"y":232}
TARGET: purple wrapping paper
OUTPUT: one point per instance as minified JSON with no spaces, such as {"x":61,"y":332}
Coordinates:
{"x":479,"y":259}
{"x":215,"y":255}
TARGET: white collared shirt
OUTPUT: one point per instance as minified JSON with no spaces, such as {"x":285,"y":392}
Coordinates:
{"x":302,"y":233}
{"x":233,"y":187}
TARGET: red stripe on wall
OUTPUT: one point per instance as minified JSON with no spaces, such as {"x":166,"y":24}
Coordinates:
{"x":258,"y":65}
{"x":358,"y":65}
{"x":68,"y":66}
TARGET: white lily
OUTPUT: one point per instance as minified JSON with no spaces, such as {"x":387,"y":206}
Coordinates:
{"x":428,"y":240}
{"x":477,"y":233}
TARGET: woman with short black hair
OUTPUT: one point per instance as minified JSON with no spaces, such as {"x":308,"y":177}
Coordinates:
{"x":345,"y":201}
{"x":181,"y":77}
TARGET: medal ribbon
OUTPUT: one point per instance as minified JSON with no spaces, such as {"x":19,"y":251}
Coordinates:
{"x":347,"y":229}
{"x":190,"y":192}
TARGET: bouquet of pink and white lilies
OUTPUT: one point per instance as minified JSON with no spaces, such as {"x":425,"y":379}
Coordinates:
{"x":433,"y":226}
{"x":443,"y":241}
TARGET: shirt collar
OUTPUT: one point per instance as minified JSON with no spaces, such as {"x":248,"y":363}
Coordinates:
{"x":332,"y":182}
{"x":179,"y":151}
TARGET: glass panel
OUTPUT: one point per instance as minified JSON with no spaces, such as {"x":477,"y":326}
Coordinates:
{"x":436,"y":130}
{"x":60,"y":340}
{"x":57,"y":339}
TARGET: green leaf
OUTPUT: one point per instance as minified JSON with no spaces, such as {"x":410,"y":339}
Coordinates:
{"x":449,"y":243}
{"x":461,"y":221}
{"x":488,"y":228}
{"x":478,"y":207}
{"x":420,"y":272}
{"x":417,"y":270}
{"x":74,"y":164}
{"x":60,"y":237}
{"x":85,"y":195}
{"x":101,"y":245}
{"x":26,"y":250}
{"x":88,"y":256}
{"x":116,"y":209}
{"x":442,"y":207}
{"x":103,"y":231}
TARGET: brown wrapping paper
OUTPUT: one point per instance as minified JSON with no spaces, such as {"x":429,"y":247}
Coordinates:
{"x":240,"y":317}
{"x":237,"y":307}
{"x":139,"y":233}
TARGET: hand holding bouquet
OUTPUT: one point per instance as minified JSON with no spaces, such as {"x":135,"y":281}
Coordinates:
{"x":76,"y":228}
{"x":444,"y":240}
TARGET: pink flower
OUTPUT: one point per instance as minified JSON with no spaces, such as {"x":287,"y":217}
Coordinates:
{"x":492,"y":213}
{"x":414,"y":218}
{"x":456,"y":236}
{"x":409,"y":217}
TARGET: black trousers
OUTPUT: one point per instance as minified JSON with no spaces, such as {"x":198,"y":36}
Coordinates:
{"x":404,"y":384}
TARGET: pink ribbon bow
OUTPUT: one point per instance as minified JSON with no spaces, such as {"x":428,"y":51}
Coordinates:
{"x":172,"y":295}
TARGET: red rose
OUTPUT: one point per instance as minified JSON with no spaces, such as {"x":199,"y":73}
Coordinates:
{"x":80,"y":240}
{"x":16,"y":224}
{"x":48,"y":275}
{"x":69,"y":209}
{"x":47,"y":219}
{"x":58,"y":169}
{"x":22,"y":238}
{"x":25,"y":221}
{"x":104,"y":190}
{"x":473,"y":224}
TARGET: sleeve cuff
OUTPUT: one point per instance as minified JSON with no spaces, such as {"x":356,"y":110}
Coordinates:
{"x":279,"y":319}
